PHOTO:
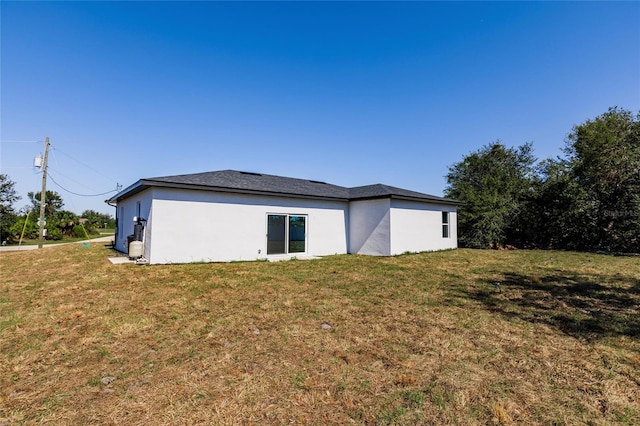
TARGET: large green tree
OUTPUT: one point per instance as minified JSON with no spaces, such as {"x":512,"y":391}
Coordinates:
{"x":589,"y":199}
{"x":558,"y":214}
{"x":53,"y":203}
{"x":8,"y":197}
{"x":604,"y":156}
{"x":493,"y":183}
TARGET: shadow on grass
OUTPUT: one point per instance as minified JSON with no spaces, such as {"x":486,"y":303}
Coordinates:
{"x":586,"y":307}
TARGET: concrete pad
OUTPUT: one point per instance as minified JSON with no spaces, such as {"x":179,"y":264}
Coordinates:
{"x":120,"y":260}
{"x":287,"y":257}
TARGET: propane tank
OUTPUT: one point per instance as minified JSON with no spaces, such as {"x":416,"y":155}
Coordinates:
{"x":135,"y":249}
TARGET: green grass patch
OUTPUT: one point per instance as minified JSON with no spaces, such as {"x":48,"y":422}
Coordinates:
{"x":456,"y":337}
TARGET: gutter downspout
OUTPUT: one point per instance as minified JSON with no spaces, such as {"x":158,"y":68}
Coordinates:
{"x":115,"y":235}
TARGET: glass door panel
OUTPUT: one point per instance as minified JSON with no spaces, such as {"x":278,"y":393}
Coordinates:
{"x":276,"y":234}
{"x":297,"y":234}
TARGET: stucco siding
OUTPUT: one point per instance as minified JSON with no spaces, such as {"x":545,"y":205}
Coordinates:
{"x":191,"y":225}
{"x":417,"y":227}
{"x":126,"y":210}
{"x":369,"y":227}
{"x":199,"y":226}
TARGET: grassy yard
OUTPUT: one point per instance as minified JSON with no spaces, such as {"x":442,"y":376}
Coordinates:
{"x":458,"y":337}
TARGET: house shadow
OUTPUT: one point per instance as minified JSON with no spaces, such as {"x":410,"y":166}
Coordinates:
{"x":584,"y":307}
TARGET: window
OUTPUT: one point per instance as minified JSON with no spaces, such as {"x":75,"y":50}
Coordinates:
{"x":445,"y":224}
{"x":286,"y":234}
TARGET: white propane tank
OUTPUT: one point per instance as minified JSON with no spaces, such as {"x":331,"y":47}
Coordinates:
{"x":135,"y":249}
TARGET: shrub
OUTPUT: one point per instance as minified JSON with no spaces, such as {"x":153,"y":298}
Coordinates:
{"x":79,"y":232}
{"x":54,"y":234}
{"x":30,"y":231}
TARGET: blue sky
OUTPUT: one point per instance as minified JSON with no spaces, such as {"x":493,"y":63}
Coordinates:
{"x":348,"y":93}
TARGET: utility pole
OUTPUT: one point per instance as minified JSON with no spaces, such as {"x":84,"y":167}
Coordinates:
{"x":43,"y":194}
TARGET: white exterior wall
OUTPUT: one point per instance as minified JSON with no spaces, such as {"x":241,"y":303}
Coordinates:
{"x":204,"y":226}
{"x":370,"y":227}
{"x":126,"y":210}
{"x":417,"y":227}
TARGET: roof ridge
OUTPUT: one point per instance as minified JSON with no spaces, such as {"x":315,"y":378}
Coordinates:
{"x":230,"y":180}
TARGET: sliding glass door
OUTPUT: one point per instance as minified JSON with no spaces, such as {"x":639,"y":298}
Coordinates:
{"x":276,"y":234}
{"x":286,"y":234}
{"x":297,"y":234}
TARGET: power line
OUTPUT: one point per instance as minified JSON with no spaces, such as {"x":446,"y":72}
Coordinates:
{"x":75,"y":193}
{"x":16,"y":167}
{"x":64,"y":178}
{"x":16,"y":141}
{"x":55,"y":149}
{"x":80,"y":162}
{"x":55,"y":157}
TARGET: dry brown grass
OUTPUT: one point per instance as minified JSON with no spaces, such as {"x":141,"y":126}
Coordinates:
{"x":413,"y":339}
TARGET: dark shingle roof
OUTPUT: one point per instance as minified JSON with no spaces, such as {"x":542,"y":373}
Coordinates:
{"x":259,"y":183}
{"x":385,"y":191}
{"x":256,"y":182}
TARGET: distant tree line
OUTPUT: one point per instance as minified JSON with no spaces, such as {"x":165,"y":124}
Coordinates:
{"x":60,"y":223}
{"x":588,"y":199}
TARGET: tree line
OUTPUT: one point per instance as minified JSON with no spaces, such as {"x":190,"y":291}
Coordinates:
{"x":588,"y":199}
{"x":60,"y":223}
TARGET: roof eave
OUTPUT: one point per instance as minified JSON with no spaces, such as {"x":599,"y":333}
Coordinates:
{"x":128,"y":191}
{"x":143,"y":184}
{"x":408,"y":198}
{"x":427,"y":200}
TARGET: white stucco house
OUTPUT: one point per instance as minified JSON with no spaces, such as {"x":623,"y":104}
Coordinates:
{"x":232,"y":215}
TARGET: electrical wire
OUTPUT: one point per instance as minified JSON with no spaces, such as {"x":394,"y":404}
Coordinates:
{"x":75,"y":193}
{"x":64,"y":178}
{"x":54,"y":151}
{"x":55,"y":158}
{"x":16,"y":167}
{"x":16,"y":141}
{"x":79,"y":162}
